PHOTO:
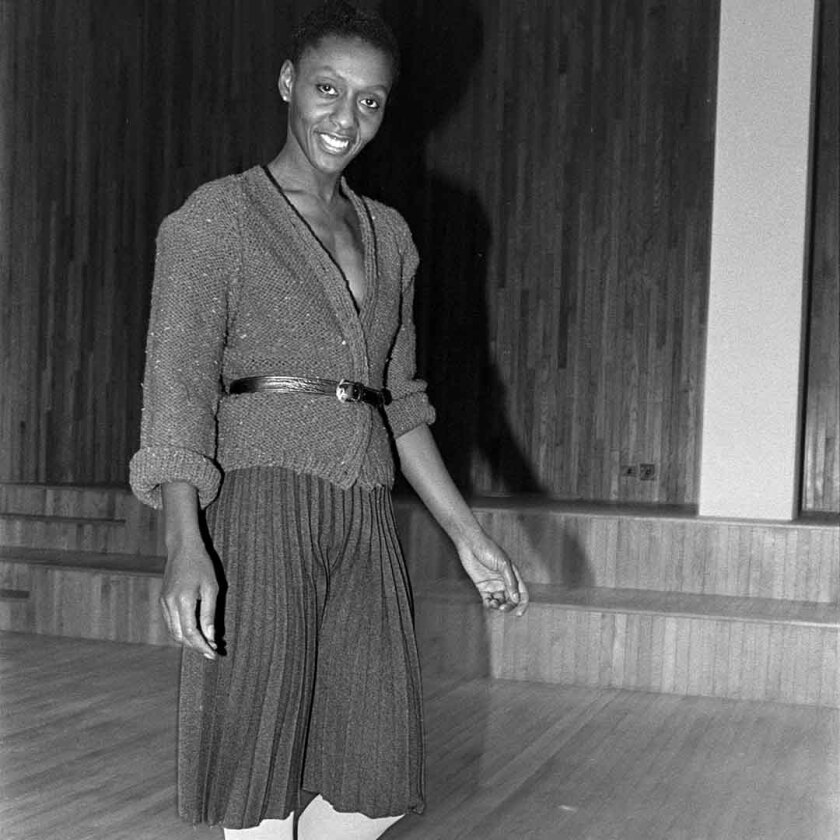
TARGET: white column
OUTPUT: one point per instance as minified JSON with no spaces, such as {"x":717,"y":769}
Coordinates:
{"x":750,"y":437}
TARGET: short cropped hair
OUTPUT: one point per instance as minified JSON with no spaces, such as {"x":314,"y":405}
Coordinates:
{"x":341,"y":19}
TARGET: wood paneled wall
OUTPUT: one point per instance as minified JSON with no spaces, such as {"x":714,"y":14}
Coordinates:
{"x":554,"y":159}
{"x":563,"y":199}
{"x":113,"y":113}
{"x":821,"y":477}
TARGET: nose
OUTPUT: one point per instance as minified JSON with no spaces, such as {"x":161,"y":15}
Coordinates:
{"x":344,"y":114}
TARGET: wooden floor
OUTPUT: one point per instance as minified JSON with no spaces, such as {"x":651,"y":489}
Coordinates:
{"x":88,"y":754}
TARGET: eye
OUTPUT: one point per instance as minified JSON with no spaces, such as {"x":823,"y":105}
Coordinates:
{"x":326,"y":88}
{"x":370,"y":103}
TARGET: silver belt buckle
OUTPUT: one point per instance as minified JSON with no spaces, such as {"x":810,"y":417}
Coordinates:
{"x":349,"y":391}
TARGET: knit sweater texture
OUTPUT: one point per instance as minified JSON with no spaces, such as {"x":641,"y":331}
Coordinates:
{"x":243,"y":288}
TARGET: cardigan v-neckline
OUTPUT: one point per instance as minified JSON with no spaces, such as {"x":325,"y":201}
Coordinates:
{"x":368,"y":245}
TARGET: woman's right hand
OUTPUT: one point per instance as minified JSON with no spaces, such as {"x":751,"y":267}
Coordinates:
{"x":190,"y":586}
{"x":188,"y":599}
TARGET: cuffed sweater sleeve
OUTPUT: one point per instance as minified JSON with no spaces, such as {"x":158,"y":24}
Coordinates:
{"x":196,"y":263}
{"x":409,"y":405}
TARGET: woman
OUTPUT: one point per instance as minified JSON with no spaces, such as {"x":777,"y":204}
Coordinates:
{"x":280,"y":376}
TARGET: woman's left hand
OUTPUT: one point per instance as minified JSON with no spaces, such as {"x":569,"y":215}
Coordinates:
{"x":497,"y":580}
{"x":494,"y":575}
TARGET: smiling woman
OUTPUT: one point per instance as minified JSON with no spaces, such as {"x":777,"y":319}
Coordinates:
{"x":336,"y":95}
{"x":280,"y":377}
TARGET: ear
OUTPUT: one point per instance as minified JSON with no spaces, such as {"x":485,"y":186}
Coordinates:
{"x":286,"y":80}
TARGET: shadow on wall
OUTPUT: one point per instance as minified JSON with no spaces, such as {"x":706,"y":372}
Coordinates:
{"x":575,"y":568}
{"x":441,"y":46}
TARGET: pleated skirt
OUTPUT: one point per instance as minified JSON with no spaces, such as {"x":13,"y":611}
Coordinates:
{"x":318,"y":689}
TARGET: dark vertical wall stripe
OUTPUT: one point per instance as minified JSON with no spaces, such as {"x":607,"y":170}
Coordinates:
{"x":821,"y":478}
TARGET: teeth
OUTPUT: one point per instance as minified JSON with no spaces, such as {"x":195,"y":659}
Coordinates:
{"x":335,"y":144}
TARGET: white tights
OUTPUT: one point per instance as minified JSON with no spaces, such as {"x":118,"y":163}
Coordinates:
{"x":319,"y":821}
{"x":266,"y":830}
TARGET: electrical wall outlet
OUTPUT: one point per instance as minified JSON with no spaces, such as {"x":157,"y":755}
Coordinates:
{"x":647,"y":472}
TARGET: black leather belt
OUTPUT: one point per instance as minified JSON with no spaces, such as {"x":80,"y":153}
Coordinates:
{"x":344,"y":390}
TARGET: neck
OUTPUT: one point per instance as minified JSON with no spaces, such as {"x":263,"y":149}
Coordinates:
{"x":295,"y":178}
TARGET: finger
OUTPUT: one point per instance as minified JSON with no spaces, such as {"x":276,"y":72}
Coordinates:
{"x":194,"y":640}
{"x":506,"y":606}
{"x":524,"y":597}
{"x":499,"y":600}
{"x":207,"y":615}
{"x":189,"y":628}
{"x":492,"y":599}
{"x":509,"y":576}
{"x":170,"y":613}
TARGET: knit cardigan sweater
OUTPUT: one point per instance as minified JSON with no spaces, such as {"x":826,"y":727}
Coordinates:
{"x":243,"y":288}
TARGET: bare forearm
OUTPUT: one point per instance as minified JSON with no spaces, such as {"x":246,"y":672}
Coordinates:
{"x":189,"y":582}
{"x":497,"y":579}
{"x":180,"y":511}
{"x":423,"y":467}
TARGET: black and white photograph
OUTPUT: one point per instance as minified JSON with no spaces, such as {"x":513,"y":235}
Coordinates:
{"x":419,"y":419}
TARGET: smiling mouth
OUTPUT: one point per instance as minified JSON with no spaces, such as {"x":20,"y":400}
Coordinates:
{"x":334,"y":144}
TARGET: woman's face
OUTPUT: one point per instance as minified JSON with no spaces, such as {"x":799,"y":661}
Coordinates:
{"x":336,"y":94}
